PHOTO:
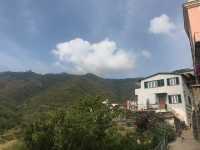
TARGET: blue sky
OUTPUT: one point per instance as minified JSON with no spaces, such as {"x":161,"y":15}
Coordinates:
{"x":110,"y":38}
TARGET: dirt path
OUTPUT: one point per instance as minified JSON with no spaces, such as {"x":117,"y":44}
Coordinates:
{"x":7,"y":145}
{"x":189,"y":143}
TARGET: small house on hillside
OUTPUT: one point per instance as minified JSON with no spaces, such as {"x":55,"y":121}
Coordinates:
{"x":167,"y":92}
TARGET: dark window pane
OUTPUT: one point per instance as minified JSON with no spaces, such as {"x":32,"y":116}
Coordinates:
{"x":145,"y":85}
{"x":170,"y":100}
{"x":159,"y":83}
{"x":177,"y":80}
{"x":162,"y":82}
{"x":168,"y":82}
{"x":179,"y":99}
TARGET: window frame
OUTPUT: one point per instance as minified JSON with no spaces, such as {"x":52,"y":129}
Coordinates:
{"x":175,"y":99}
{"x":154,"y":84}
{"x":174,"y":81}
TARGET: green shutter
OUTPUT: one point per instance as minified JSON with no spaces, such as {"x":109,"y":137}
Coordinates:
{"x":162,"y":82}
{"x":170,"y":100}
{"x":158,"y":82}
{"x":177,"y":80}
{"x":179,"y":99}
{"x":145,"y":85}
{"x":167,"y":81}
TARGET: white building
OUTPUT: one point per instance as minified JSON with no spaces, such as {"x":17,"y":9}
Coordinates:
{"x":131,"y":105}
{"x":166,"y":92}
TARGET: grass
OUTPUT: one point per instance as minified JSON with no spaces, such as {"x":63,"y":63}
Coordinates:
{"x":13,"y":145}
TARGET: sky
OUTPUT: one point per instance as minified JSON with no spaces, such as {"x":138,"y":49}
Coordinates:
{"x":109,"y":38}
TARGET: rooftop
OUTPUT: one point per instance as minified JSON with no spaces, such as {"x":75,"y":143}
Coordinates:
{"x":184,"y":72}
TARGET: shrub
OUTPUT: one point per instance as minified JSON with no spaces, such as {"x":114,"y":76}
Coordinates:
{"x":88,"y":125}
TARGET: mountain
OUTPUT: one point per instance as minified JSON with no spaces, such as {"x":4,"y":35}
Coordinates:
{"x":20,"y":87}
{"x":23,"y":94}
{"x":183,"y":70}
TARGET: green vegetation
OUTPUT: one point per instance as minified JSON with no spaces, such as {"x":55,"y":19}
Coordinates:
{"x":25,"y":94}
{"x":89,"y":125}
{"x":8,"y":117}
{"x":31,"y":101}
{"x":13,"y":145}
{"x":151,"y":126}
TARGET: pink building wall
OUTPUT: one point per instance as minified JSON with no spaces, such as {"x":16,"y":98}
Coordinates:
{"x":194,"y":22}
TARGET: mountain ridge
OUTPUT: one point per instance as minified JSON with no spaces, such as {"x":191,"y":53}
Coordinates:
{"x":24,"y":94}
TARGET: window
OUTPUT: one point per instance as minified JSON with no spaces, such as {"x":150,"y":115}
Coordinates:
{"x":154,"y":84}
{"x":150,"y":84}
{"x":161,"y":83}
{"x":145,"y":85}
{"x":175,"y":99}
{"x":173,"y":81}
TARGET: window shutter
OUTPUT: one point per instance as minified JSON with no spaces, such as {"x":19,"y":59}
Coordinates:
{"x":158,"y":83}
{"x":170,"y":100}
{"x":163,"y":82}
{"x":145,"y":85}
{"x":168,"y":82}
{"x":179,"y":99}
{"x":177,"y":80}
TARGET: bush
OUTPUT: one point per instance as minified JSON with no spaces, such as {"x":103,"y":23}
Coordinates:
{"x":151,"y":127}
{"x":88,"y":125}
{"x":171,"y":133}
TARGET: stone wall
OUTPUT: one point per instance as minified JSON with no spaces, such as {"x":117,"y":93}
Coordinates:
{"x":196,"y":111}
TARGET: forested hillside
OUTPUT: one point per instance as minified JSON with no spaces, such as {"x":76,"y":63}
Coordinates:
{"x":23,"y":94}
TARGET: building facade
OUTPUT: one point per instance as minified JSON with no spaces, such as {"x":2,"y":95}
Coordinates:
{"x":191,"y":12}
{"x":166,"y":92}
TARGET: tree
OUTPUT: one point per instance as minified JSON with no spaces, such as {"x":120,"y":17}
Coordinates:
{"x":88,"y":125}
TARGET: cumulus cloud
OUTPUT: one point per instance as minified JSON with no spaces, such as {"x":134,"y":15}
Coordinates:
{"x":103,"y":58}
{"x":162,"y":25}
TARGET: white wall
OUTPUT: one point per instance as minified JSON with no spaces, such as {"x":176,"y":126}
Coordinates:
{"x":150,"y":94}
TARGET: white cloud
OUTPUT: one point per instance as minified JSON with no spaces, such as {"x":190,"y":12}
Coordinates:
{"x":147,"y":54}
{"x":103,"y":58}
{"x":162,"y":25}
